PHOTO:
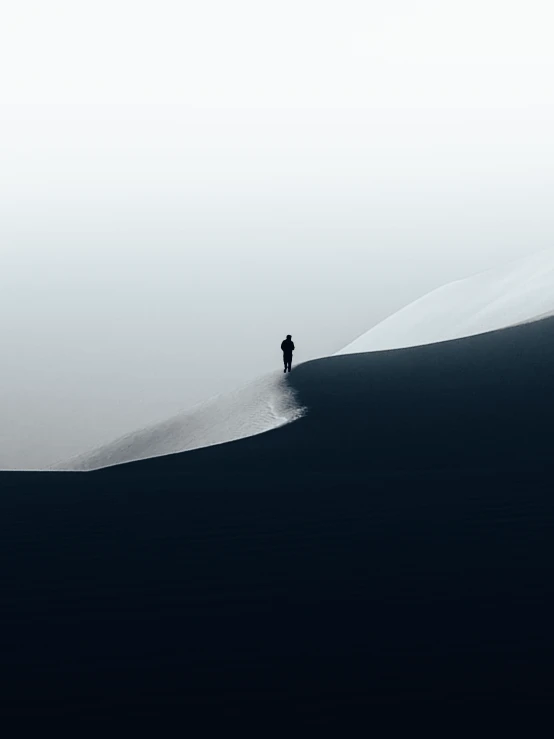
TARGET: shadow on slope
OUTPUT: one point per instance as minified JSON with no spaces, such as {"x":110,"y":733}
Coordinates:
{"x":478,"y":402}
{"x":394,"y":546}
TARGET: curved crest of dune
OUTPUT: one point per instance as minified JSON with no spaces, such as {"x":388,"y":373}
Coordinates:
{"x":515,"y":293}
{"x":262,"y":405}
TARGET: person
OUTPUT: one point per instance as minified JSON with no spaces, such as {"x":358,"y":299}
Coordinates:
{"x":288,"y":347}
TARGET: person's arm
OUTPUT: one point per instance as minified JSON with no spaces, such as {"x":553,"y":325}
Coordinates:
{"x":292,"y":347}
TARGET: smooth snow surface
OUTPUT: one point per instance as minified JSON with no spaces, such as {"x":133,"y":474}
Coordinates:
{"x":260,"y":406}
{"x":515,"y":293}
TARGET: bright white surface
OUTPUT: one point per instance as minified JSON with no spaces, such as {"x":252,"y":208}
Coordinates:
{"x":514,"y":293}
{"x":260,"y":406}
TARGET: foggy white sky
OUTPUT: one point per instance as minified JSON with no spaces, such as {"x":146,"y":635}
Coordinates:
{"x":182,"y":184}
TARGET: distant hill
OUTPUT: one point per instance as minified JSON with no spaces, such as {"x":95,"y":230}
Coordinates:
{"x":514,"y":293}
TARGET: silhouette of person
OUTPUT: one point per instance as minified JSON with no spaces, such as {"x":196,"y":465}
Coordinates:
{"x":288,"y":347}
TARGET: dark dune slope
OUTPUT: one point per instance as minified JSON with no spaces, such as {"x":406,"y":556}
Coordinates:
{"x":393,"y":546}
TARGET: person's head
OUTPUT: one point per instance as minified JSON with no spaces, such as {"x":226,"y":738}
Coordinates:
{"x":289,"y":336}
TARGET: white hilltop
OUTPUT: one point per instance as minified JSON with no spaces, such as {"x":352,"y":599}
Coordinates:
{"x":517,"y":292}
{"x":262,"y":405}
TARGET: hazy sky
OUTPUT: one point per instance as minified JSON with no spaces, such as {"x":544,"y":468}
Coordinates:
{"x":182,"y":184}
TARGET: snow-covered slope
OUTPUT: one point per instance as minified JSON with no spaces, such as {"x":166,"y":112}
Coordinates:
{"x":259,"y":406}
{"x":514,"y":293}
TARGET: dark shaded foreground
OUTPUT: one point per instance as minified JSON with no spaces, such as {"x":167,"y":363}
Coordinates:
{"x":392,"y":549}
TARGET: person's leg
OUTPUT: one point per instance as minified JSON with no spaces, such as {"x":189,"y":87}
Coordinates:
{"x":285,"y":363}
